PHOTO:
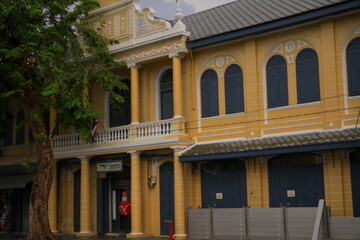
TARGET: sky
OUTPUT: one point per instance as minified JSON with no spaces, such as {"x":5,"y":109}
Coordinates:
{"x":167,"y":8}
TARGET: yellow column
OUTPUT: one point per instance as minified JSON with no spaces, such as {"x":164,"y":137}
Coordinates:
{"x":179,"y":195}
{"x":136,"y":218}
{"x":252,"y":91}
{"x":177,"y":85}
{"x":52,"y":203}
{"x":330,"y":88}
{"x":135,"y":98}
{"x":85,"y":217}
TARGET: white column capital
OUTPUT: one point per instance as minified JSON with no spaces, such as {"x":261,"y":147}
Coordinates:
{"x":178,"y":148}
{"x":134,"y":152}
{"x":83,"y":158}
{"x":176,"y":55}
{"x":133,"y":65}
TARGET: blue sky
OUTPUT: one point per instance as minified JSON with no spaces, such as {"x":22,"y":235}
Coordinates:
{"x":166,"y":8}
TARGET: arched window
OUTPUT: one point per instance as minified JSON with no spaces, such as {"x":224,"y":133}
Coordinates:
{"x":277,"y":87}
{"x":122,"y":117}
{"x":209,"y":94}
{"x":20,"y":128}
{"x":307,"y":76}
{"x":8,"y":131}
{"x":166,"y":95}
{"x":234,"y":90}
{"x":353,"y":67}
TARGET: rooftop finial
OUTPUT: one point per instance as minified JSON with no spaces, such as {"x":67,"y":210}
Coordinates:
{"x":179,"y":15}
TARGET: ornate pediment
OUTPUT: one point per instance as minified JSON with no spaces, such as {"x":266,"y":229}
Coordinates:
{"x":139,"y":31}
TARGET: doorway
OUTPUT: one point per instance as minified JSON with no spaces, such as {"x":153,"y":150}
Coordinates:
{"x":166,"y":197}
{"x":296,"y":180}
{"x":355,"y":181}
{"x":109,"y":195}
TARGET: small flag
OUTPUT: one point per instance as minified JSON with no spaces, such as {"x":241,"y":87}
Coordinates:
{"x":94,"y":128}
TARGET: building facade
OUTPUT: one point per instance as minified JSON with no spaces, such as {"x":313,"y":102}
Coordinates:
{"x":253,"y":103}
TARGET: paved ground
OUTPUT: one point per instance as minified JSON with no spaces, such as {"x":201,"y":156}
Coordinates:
{"x":15,"y":236}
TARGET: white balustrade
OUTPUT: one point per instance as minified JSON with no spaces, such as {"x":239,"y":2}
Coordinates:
{"x":156,"y":129}
{"x":102,"y":137}
{"x":68,"y":141}
{"x":113,"y":135}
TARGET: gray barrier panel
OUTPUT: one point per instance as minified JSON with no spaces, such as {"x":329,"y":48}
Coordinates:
{"x":300,"y":222}
{"x":266,"y":222}
{"x":229,"y":223}
{"x":199,"y":223}
{"x":344,"y":228}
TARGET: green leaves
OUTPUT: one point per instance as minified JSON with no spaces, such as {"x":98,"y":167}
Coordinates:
{"x":44,"y":58}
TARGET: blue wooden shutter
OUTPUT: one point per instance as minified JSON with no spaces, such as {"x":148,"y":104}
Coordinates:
{"x":353,"y":64}
{"x":123,"y":117}
{"x":307,"y":76}
{"x":20,"y":132}
{"x":234,"y":91}
{"x":277,"y":86}
{"x":209,"y":94}
{"x":166,"y":95}
{"x":8,"y":138}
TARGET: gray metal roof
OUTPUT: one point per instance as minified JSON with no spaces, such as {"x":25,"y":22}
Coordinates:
{"x":247,"y":13}
{"x":276,"y":142}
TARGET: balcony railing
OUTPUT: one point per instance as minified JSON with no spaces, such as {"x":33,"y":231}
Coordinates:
{"x":121,"y":134}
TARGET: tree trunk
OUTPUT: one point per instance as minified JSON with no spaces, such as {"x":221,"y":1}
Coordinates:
{"x":39,"y":227}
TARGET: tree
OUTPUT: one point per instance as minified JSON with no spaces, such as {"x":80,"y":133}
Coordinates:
{"x":49,"y":55}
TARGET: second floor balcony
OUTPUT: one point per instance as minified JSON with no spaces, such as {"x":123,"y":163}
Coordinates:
{"x":126,"y":138}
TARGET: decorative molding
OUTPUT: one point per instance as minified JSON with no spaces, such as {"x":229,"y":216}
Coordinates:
{"x":290,"y":59}
{"x":220,"y":61}
{"x":290,"y":46}
{"x":301,"y":44}
{"x":221,"y":72}
{"x":211,"y":63}
{"x":154,"y":52}
{"x":278,"y":49}
{"x":230,"y":59}
{"x":357,"y":31}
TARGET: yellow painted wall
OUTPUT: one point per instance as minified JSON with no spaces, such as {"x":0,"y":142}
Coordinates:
{"x":337,"y":178}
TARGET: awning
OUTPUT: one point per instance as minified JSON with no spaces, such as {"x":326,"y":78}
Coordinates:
{"x":14,"y":181}
{"x":273,"y":145}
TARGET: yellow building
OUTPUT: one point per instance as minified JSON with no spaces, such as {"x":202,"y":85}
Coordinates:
{"x":253,"y":103}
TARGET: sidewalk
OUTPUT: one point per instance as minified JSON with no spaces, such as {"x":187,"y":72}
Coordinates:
{"x":20,"y":236}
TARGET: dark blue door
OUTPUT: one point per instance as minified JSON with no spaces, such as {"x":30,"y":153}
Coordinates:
{"x":296,"y":180}
{"x":355,"y":181}
{"x":223,"y":184}
{"x":166,"y":196}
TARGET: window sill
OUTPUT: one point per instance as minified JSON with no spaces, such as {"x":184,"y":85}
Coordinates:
{"x":294,"y":106}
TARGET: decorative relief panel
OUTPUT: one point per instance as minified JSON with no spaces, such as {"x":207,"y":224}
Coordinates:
{"x":145,"y":23}
{"x":115,"y":25}
{"x":290,"y":48}
{"x":143,"y":27}
{"x":220,"y":63}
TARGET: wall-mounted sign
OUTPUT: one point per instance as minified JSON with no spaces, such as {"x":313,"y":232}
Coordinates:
{"x":113,"y":166}
{"x":290,"y":193}
{"x":219,"y":196}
